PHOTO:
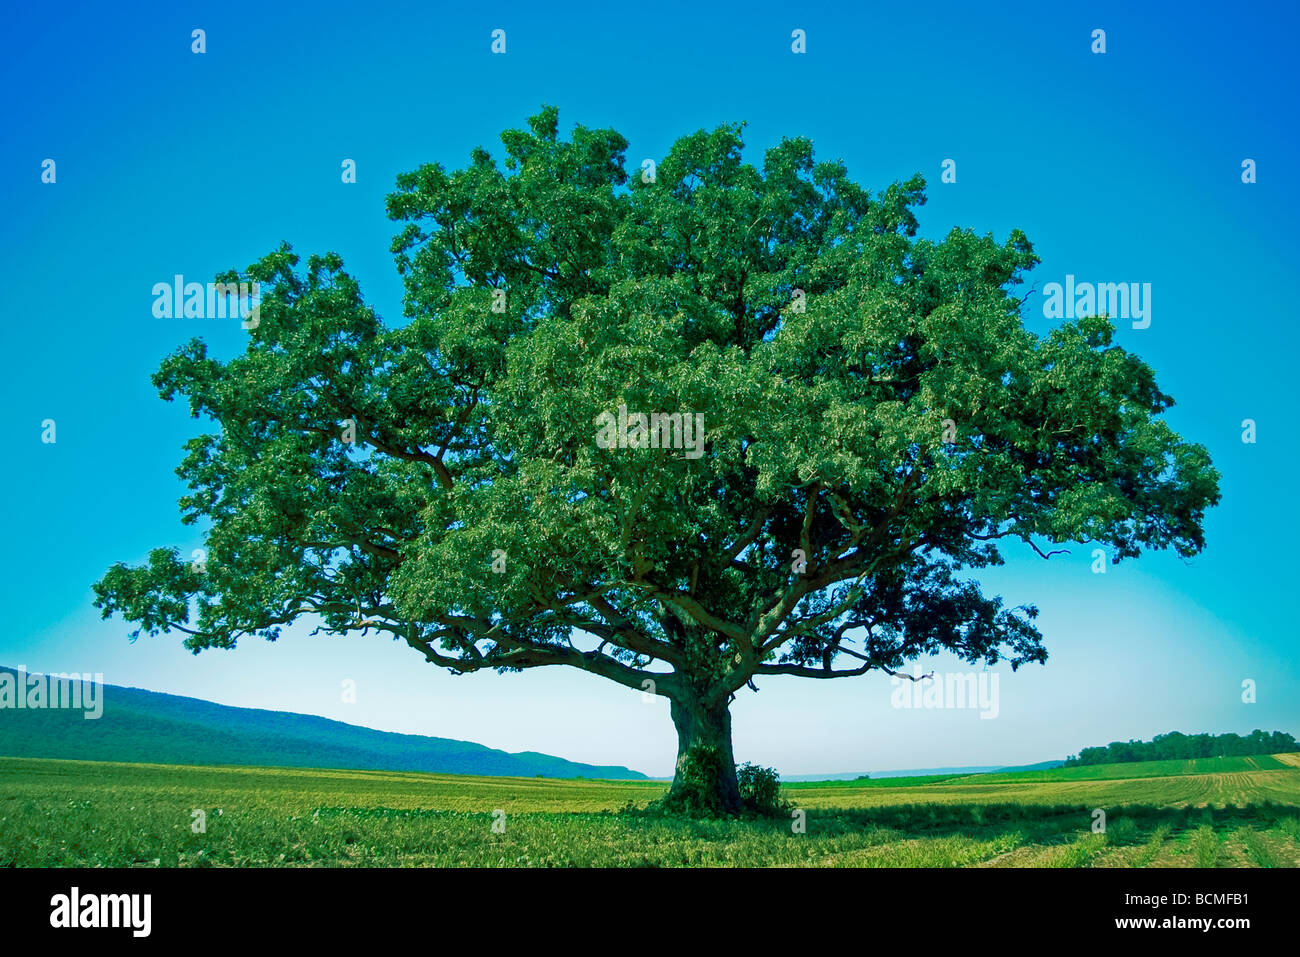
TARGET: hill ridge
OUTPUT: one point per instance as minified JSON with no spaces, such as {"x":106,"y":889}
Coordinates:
{"x":159,"y":727}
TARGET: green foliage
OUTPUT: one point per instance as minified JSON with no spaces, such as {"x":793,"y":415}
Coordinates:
{"x":1081,"y":852}
{"x":696,"y":787}
{"x":1124,"y":830}
{"x":1205,"y":846}
{"x":1175,"y":744}
{"x":1262,"y":849}
{"x":760,"y":789}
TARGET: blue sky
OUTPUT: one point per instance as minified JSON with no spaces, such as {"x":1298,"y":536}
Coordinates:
{"x":1121,"y":167}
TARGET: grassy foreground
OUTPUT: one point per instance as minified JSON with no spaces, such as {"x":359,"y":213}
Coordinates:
{"x":1218,"y":812}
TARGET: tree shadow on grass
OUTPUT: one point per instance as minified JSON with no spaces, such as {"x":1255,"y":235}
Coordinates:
{"x":1040,"y":822}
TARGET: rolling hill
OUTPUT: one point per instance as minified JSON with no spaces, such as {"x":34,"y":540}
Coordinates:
{"x":147,"y":726}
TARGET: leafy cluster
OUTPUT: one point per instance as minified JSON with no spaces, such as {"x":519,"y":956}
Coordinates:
{"x":760,"y":789}
{"x":1175,"y":745}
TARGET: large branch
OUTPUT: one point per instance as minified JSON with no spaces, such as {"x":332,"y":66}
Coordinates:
{"x":804,"y":671}
{"x":523,"y":654}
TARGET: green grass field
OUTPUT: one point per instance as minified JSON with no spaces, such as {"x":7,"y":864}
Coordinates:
{"x":1219,"y":812}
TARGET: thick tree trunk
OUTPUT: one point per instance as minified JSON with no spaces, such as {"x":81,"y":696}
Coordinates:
{"x":705,"y":780}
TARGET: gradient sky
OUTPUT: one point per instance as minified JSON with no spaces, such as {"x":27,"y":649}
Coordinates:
{"x":1122,"y":167}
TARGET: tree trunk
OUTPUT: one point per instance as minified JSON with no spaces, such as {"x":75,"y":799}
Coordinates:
{"x":705,"y":781}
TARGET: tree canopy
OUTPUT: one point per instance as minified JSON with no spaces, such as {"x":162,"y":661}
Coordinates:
{"x":877,"y":420}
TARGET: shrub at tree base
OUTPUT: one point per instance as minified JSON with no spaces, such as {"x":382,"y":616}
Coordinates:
{"x":695,"y":790}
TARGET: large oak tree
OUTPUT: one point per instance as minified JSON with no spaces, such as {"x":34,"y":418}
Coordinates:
{"x":877,"y":419}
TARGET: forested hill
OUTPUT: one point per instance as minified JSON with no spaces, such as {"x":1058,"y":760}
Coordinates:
{"x":1176,"y":745}
{"x":146,"y":726}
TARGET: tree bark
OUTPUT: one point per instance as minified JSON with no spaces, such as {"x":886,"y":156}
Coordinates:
{"x":705,"y":780}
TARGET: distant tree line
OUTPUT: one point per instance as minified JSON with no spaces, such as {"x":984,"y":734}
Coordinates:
{"x":1176,"y":745}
